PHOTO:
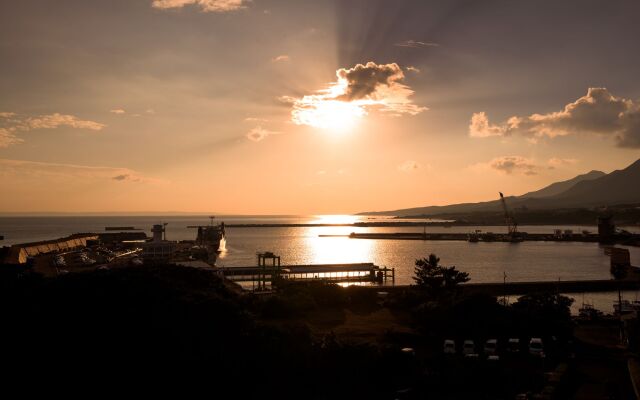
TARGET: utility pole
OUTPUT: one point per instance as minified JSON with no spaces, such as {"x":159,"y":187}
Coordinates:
{"x":504,"y":288}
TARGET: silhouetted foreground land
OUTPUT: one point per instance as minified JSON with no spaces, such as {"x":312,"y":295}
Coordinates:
{"x":311,"y":340}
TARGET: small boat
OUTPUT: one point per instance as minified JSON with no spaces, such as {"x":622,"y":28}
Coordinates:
{"x":474,"y":237}
{"x":587,"y":311}
{"x":626,"y":306}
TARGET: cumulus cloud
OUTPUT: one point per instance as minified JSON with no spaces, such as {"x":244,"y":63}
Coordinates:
{"x":281,"y":58}
{"x":217,"y":6}
{"x":117,"y":111}
{"x":12,"y":123}
{"x":514,"y":164}
{"x":416,"y":44}
{"x":409,"y":166}
{"x":598,"y":112}
{"x":43,"y":170}
{"x":258,"y":134}
{"x":480,"y":126}
{"x":357,"y":90}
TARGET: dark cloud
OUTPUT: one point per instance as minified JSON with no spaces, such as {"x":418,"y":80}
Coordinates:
{"x":358,"y":89}
{"x":364,"y":80}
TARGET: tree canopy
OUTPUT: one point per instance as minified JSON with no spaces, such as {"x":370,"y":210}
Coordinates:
{"x":435,"y":280}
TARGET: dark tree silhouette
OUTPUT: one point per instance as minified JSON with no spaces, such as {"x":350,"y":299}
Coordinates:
{"x":435,"y":280}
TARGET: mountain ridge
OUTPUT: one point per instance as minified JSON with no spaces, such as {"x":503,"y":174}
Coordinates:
{"x":592,"y":189}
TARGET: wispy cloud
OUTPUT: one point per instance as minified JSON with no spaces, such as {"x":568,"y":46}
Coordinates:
{"x":12,"y":123}
{"x":7,"y":138}
{"x":255,"y":119}
{"x":359,"y":89}
{"x":117,"y":111}
{"x":556,"y":162}
{"x":409,"y":166}
{"x":74,"y":172}
{"x":598,"y":112}
{"x":281,"y":58}
{"x":413,"y":69}
{"x":56,"y":120}
{"x":216,"y":6}
{"x":416,"y":44}
{"x":258,"y":134}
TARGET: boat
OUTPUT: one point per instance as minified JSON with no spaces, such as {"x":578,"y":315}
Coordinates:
{"x":588,"y":311}
{"x":212,"y":237}
{"x":626,"y":306}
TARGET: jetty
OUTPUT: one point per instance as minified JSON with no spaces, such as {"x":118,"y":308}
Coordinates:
{"x":338,"y":273}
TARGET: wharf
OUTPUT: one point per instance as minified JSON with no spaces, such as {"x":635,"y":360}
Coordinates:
{"x":359,"y":272}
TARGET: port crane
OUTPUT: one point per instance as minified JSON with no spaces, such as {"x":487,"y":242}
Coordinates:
{"x":510,"y":220}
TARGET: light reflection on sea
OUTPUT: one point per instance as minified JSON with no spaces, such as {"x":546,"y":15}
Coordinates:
{"x":485,"y":262}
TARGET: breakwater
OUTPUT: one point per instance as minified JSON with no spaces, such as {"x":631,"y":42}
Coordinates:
{"x":590,"y":238}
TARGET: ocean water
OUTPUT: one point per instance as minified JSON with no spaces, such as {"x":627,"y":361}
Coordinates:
{"x":485,"y":262}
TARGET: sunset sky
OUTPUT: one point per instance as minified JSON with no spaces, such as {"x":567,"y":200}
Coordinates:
{"x":309,"y":106}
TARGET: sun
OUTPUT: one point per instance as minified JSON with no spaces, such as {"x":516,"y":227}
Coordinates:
{"x":331,"y":115}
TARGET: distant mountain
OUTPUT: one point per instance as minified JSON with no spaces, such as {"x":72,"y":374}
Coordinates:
{"x":587,"y":190}
{"x":556,"y":188}
{"x":618,"y":187}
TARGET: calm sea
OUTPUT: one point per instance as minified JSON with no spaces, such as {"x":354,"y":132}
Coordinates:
{"x":485,"y":262}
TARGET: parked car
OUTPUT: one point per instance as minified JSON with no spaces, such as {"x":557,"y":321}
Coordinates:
{"x":468,"y":347}
{"x":513,"y":345}
{"x":536,"y":348}
{"x":449,"y":347}
{"x":491,"y":347}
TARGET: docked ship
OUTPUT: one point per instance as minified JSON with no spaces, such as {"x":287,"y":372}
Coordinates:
{"x":212,"y":237}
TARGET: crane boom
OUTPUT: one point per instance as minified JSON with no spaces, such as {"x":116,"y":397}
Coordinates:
{"x":512,"y":225}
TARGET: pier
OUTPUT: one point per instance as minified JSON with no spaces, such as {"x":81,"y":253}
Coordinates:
{"x":339,"y":273}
